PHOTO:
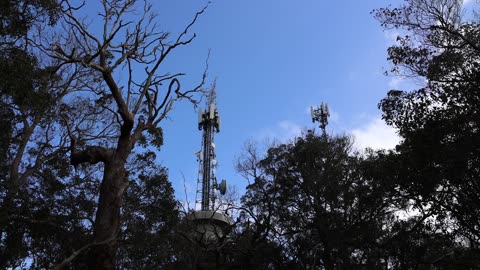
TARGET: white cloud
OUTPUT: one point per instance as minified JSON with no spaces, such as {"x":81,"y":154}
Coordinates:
{"x":334,"y":116}
{"x":391,"y":36}
{"x":289,"y":129}
{"x":395,"y":82}
{"x":376,"y":134}
{"x":282,"y":131}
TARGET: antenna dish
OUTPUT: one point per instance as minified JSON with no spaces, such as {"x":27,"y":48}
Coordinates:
{"x":222,"y":187}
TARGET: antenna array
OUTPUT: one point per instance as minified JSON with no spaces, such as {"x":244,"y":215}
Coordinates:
{"x":320,"y":114}
{"x":209,"y":122}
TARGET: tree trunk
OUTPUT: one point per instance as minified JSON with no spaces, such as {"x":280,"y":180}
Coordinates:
{"x":107,"y":221}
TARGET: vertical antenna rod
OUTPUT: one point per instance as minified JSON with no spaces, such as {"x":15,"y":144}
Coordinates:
{"x":209,"y":122}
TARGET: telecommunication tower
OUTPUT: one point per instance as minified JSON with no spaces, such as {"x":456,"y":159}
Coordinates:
{"x":320,"y":114}
{"x":210,"y":223}
{"x":209,"y":122}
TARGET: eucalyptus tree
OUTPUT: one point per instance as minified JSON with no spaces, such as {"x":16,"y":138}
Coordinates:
{"x":314,"y":201}
{"x":32,"y":167}
{"x":150,"y":217}
{"x":439,"y":122}
{"x":129,"y":97}
{"x":39,"y":192}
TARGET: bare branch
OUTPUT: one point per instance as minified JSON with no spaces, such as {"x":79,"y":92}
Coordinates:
{"x":74,"y":22}
{"x":179,"y":42}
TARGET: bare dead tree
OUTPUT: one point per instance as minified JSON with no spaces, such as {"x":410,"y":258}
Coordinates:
{"x":125,"y":54}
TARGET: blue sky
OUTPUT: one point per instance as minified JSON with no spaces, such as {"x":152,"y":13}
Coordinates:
{"x":272,"y":60}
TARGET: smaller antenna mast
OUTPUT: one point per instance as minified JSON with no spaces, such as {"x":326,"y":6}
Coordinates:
{"x":320,"y":114}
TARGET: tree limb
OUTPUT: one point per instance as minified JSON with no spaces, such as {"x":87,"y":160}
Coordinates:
{"x":92,"y":155}
{"x":80,"y":250}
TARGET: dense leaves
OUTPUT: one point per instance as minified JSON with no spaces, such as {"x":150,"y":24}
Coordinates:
{"x":17,"y":17}
{"x":313,"y":199}
{"x":439,"y":155}
{"x":316,"y":204}
{"x":150,"y":215}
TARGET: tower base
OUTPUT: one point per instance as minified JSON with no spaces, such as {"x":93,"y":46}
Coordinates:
{"x":209,"y":226}
{"x":209,"y":230}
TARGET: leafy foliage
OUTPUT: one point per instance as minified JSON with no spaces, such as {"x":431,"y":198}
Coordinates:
{"x":313,"y":198}
{"x":17,"y":17}
{"x":439,"y":156}
{"x":150,"y":215}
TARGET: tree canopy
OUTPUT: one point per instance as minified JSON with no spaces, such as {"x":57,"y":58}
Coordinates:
{"x":440,"y":121}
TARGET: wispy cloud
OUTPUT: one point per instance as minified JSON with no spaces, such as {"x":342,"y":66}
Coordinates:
{"x":282,"y":131}
{"x":289,"y":127}
{"x":391,"y":36}
{"x":376,"y":134}
{"x":395,"y":82}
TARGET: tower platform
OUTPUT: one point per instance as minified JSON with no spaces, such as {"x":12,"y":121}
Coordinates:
{"x":210,"y":226}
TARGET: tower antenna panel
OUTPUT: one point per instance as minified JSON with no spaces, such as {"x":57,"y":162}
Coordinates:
{"x":200,"y":117}
{"x":312,"y":113}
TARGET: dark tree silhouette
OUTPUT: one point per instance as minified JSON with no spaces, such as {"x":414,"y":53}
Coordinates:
{"x":131,"y":107}
{"x":440,"y":121}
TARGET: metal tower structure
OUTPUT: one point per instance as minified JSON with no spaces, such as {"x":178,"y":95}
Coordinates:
{"x":210,"y":224}
{"x":209,"y":122}
{"x":320,"y":114}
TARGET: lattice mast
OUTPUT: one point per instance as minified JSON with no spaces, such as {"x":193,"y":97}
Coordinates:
{"x":209,"y":122}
